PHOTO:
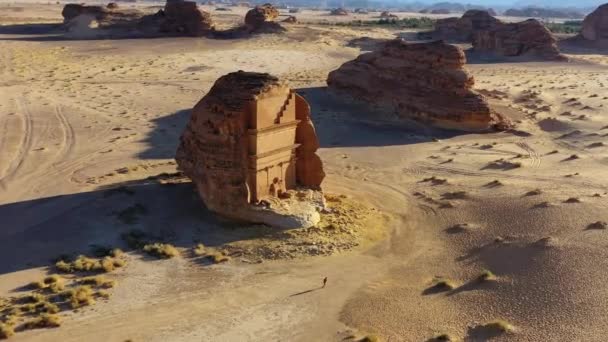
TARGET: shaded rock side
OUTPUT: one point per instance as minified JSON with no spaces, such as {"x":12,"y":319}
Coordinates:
{"x":184,"y":17}
{"x":71,"y":11}
{"x":526,"y":38}
{"x":249,"y":141}
{"x":595,"y":25}
{"x":421,"y":81}
{"x":462,"y":29}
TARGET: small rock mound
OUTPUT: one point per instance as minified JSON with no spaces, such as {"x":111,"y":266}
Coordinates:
{"x":184,"y":17}
{"x":112,"y":5}
{"x":387,"y":15}
{"x":260,"y":19}
{"x":290,"y":20}
{"x":420,"y":81}
{"x":595,"y":25}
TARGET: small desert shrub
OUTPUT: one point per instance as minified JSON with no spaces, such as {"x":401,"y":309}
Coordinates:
{"x":33,"y":298}
{"x":86,"y":264}
{"x":103,"y":294}
{"x":217,"y":257}
{"x":6,"y":331}
{"x":48,"y":307}
{"x":442,"y":338}
{"x":161,"y":250}
{"x":370,"y":338}
{"x":80,"y":296}
{"x":444,"y":284}
{"x":44,"y":321}
{"x":199,"y":250}
{"x":37,"y":285}
{"x":98,"y":281}
{"x":486,"y":275}
{"x":499,"y":326}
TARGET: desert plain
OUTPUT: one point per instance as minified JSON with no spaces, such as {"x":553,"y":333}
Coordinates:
{"x":509,"y":222}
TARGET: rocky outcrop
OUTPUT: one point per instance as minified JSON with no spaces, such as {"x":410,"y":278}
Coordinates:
{"x":83,"y":21}
{"x":112,"y":5}
{"x":526,"y":38}
{"x":462,"y":29}
{"x":492,"y":36}
{"x":388,"y":15}
{"x":185,"y":18}
{"x":595,"y":25}
{"x":420,"y":81}
{"x":260,"y":19}
{"x":248,"y":146}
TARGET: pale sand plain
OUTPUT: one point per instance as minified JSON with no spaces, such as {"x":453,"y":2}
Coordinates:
{"x":79,"y":117}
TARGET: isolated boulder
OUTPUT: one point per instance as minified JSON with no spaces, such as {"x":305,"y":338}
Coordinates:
{"x":290,"y":20}
{"x":260,"y":19}
{"x":595,"y":25}
{"x":185,"y":18}
{"x":420,"y":81}
{"x":462,"y":29}
{"x":526,"y":38}
{"x":250,"y":142}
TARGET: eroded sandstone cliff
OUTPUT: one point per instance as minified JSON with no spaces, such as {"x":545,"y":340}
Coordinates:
{"x":420,"y":81}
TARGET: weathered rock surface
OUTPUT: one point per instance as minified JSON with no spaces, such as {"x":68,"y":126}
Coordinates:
{"x":184,"y":17}
{"x":462,"y":29}
{"x":260,"y":19}
{"x":526,"y":38}
{"x":490,"y":35}
{"x":249,"y":142}
{"x":422,"y":81}
{"x":595,"y":25}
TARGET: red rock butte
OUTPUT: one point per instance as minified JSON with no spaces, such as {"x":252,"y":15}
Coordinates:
{"x":421,"y":81}
{"x":249,"y":138}
{"x":491,"y":36}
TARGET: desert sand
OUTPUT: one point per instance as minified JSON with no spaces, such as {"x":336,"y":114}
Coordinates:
{"x":89,"y":128}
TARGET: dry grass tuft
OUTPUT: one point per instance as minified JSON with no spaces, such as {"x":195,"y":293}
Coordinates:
{"x":444,"y":284}
{"x":500,"y":326}
{"x":98,"y":281}
{"x":6,"y":331}
{"x":161,"y":250}
{"x":486,"y":275}
{"x":370,"y":338}
{"x":217,"y":257}
{"x":85,"y":264}
{"x":199,"y":250}
{"x":80,"y":296}
{"x":442,"y":338}
{"x":44,"y":321}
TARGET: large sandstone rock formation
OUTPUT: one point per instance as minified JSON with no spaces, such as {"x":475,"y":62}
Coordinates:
{"x":261,"y":19}
{"x":249,"y":143}
{"x":595,"y":25}
{"x":422,"y":81}
{"x":526,"y":38}
{"x":462,"y":29}
{"x":490,"y":35}
{"x":184,"y":17}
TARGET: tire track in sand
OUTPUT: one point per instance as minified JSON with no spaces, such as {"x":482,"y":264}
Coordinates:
{"x":25,"y":145}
